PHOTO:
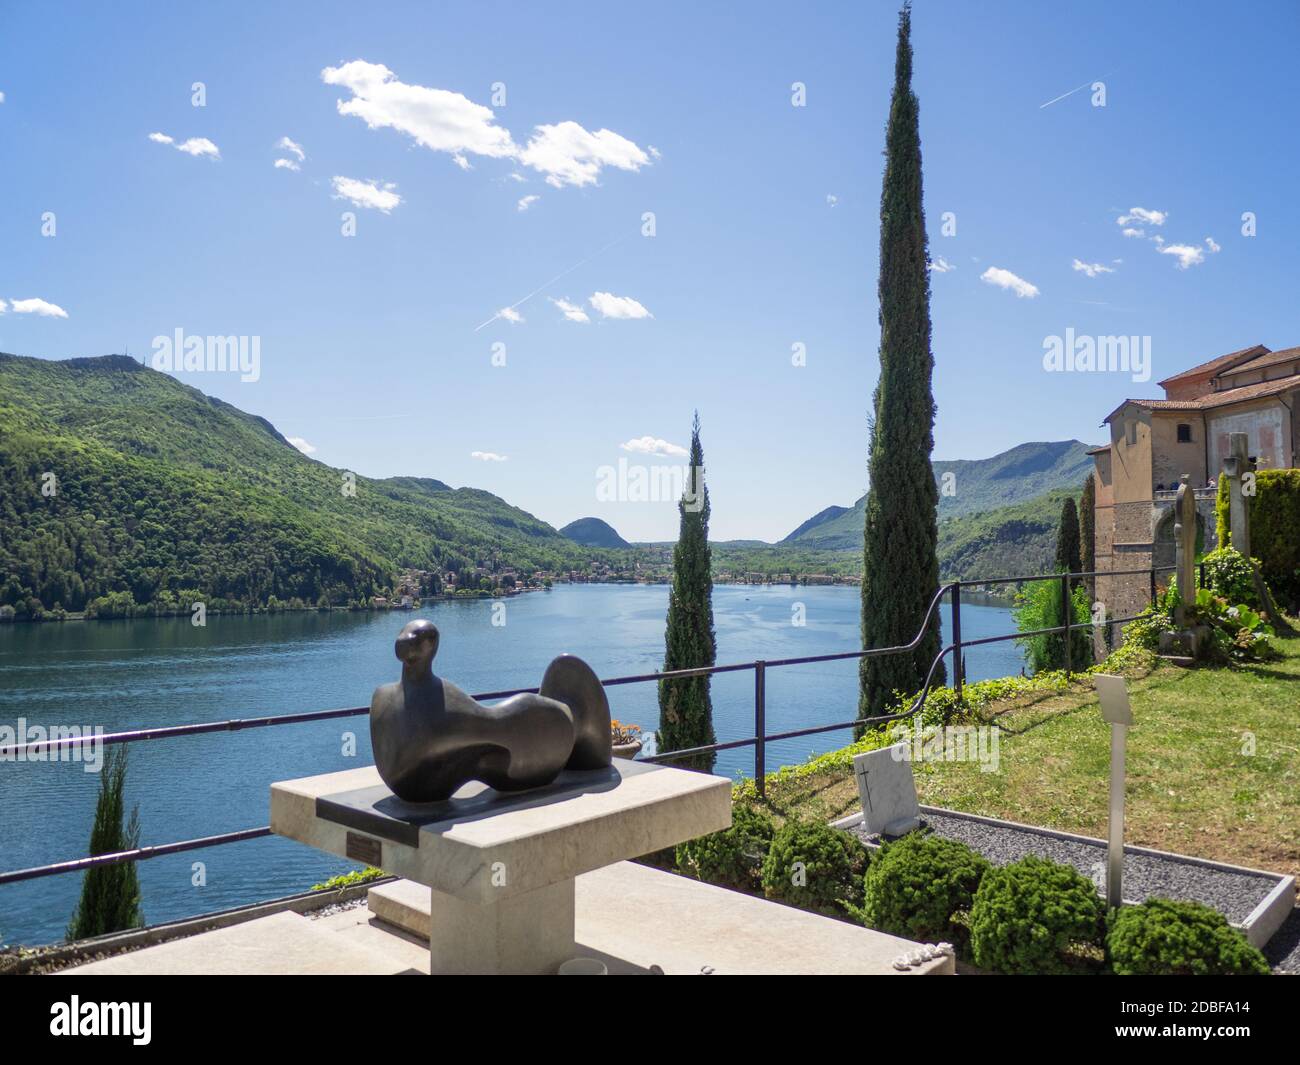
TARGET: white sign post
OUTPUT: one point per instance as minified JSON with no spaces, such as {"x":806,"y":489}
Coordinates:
{"x":1113,"y":693}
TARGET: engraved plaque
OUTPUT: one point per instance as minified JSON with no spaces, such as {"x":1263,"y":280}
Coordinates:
{"x":365,"y":849}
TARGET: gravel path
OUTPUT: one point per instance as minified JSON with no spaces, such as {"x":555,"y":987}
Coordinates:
{"x":1234,"y":895}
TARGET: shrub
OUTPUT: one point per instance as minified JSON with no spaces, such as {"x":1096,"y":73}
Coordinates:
{"x":1042,"y":606}
{"x":733,"y":857}
{"x":1027,"y":915}
{"x":1274,"y":519}
{"x":1166,"y":938}
{"x":815,"y":867}
{"x":350,"y":879}
{"x":1144,"y":630}
{"x":1237,"y":633}
{"x":1228,"y":574}
{"x":916,"y":884}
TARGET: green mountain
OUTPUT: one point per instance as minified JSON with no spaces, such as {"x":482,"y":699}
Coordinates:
{"x":976,"y":486}
{"x":592,"y":532}
{"x":1011,"y":541}
{"x":116,"y":479}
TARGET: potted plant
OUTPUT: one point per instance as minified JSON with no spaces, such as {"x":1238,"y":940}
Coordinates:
{"x":626,"y":739}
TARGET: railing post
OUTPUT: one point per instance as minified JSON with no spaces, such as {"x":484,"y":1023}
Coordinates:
{"x":760,"y":727}
{"x":1153,"y":584}
{"x":956,"y":642}
{"x":1067,"y":611}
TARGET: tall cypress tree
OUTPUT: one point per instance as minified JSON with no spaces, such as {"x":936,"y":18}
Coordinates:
{"x":685,"y":707}
{"x":1067,"y":540}
{"x":110,"y":894}
{"x":1088,"y":529}
{"x":900,"y":566}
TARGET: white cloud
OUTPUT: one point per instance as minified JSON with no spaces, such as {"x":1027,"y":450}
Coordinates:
{"x":1141,"y":214}
{"x":437,"y":119}
{"x":286,"y":164}
{"x":37,"y":306}
{"x":572,"y":312}
{"x":653,"y":445}
{"x":570,"y":155}
{"x":1130,"y":232}
{"x":514,"y":175}
{"x":366,"y":193}
{"x":611,"y":306}
{"x":1092,"y":269}
{"x":995,"y":275}
{"x":510,"y":315}
{"x":2,"y":97}
{"x":1212,"y":244}
{"x":526,"y":202}
{"x":302,"y":445}
{"x":2,"y":306}
{"x":195,"y":146}
{"x":831,"y":199}
{"x":941,"y":265}
{"x":445,"y":121}
{"x":284,"y":144}
{"x":487,"y":456}
{"x":1187,"y":254}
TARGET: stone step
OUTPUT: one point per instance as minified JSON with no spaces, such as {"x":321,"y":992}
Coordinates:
{"x":284,"y":944}
{"x":639,"y":920}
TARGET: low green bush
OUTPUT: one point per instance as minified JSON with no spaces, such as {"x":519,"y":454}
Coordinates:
{"x":1033,"y":917}
{"x":815,"y":867}
{"x":350,"y":878}
{"x":1162,"y":937}
{"x":1228,"y":573}
{"x":915,"y":885}
{"x":734,"y":857}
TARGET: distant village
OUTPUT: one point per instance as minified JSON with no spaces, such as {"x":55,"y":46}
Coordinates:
{"x":490,"y":578}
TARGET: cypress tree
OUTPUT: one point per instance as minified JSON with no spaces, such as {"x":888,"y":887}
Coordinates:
{"x":1088,"y":530}
{"x":1067,"y":540}
{"x":110,"y":894}
{"x":900,"y":566}
{"x":685,"y":707}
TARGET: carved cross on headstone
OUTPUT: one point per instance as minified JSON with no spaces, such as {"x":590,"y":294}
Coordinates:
{"x":1184,"y":547}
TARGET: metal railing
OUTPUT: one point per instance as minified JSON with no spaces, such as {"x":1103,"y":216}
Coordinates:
{"x":759,"y":740}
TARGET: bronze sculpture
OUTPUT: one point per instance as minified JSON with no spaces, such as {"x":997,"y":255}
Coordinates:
{"x":429,"y":737}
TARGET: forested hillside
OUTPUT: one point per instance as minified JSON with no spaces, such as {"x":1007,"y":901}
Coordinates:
{"x":117,"y":481}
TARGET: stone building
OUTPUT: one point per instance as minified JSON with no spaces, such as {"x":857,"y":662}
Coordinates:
{"x":1153,"y":442}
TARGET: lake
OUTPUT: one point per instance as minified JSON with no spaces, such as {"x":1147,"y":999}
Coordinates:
{"x":136,"y":674}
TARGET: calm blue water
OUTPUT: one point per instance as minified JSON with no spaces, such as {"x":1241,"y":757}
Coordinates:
{"x":135,"y":674}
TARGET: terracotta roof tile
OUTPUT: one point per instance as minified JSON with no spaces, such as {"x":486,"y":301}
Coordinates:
{"x":1272,"y":358}
{"x":1214,"y":400}
{"x":1216,"y":365}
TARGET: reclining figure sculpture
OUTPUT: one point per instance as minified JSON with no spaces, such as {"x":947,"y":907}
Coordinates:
{"x":429,"y":737}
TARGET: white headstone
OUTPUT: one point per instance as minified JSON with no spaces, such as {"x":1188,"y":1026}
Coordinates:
{"x":887,"y":791}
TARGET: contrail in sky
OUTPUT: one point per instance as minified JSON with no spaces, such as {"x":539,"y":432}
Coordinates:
{"x":1063,"y":95}
{"x":552,"y":281}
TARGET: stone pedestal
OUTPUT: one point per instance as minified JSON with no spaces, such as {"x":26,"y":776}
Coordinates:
{"x":501,"y":867}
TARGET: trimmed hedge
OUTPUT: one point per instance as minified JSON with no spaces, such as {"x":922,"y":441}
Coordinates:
{"x":1274,"y":529}
{"x":1028,"y":914}
{"x":734,"y":857}
{"x":1162,"y":937}
{"x":916,"y":884}
{"x":815,"y":867}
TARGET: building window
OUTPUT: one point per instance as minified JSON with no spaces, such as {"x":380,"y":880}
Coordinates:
{"x":1130,"y":431}
{"x":1184,"y":433}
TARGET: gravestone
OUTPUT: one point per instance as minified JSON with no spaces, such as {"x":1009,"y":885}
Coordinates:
{"x":887,"y":791}
{"x":1236,"y":464}
{"x":1184,"y":547}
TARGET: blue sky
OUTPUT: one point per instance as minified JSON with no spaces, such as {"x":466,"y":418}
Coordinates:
{"x":766,"y":222}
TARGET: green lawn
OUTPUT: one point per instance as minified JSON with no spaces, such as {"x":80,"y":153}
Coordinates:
{"x":1195,"y":783}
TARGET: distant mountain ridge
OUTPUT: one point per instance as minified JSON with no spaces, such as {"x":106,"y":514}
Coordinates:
{"x":1017,"y":475}
{"x":592,"y":532}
